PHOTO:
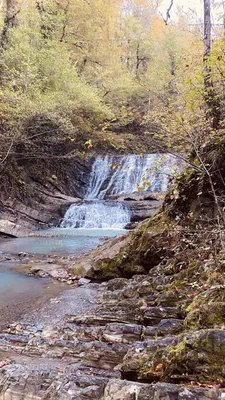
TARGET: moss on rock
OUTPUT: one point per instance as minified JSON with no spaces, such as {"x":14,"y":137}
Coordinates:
{"x":200,"y":355}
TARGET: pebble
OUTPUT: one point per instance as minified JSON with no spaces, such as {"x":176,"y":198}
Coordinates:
{"x":83,"y":281}
{"x":22,"y":254}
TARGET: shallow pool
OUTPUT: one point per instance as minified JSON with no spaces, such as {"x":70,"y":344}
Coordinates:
{"x":13,"y":284}
{"x":59,"y":241}
{"x":19,"y":293}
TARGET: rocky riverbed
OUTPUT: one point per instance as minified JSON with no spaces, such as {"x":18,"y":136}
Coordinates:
{"x":108,"y":341}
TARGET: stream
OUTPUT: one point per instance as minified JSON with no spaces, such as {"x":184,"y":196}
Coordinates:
{"x":17,"y":289}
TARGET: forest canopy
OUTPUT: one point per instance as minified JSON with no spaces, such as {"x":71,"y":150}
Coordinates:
{"x":97,"y":64}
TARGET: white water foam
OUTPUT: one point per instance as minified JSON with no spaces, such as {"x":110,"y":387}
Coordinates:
{"x":96,"y":215}
{"x":119,"y":175}
{"x":124,"y":175}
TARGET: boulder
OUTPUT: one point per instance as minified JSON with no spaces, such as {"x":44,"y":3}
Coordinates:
{"x":83,"y":281}
{"x":118,"y":390}
{"x":143,"y":209}
{"x":11,"y":229}
{"x":197,"y":354}
{"x":56,"y":271}
{"x":88,"y":265}
{"x":131,"y":225}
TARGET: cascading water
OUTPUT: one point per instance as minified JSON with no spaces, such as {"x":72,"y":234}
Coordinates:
{"x":125,"y":175}
{"x":96,"y":215}
{"x":113,"y":175}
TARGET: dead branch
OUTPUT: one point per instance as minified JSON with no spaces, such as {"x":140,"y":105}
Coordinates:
{"x":166,"y":19}
{"x":8,"y":152}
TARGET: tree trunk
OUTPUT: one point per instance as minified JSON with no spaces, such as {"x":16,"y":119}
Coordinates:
{"x":223,"y":18}
{"x":10,"y":21}
{"x":207,"y":28}
{"x":211,"y":98}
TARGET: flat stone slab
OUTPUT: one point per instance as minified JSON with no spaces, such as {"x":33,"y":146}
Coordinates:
{"x":11,"y":229}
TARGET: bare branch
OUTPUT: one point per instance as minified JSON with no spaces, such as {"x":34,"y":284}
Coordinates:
{"x":166,"y":19}
{"x":8,"y":152}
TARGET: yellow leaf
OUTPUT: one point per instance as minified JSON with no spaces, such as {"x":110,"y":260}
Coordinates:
{"x":89,"y":144}
{"x":176,"y":194}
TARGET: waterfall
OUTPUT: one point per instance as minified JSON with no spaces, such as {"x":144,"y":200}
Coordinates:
{"x":96,"y":215}
{"x":125,"y":175}
{"x":101,"y":170}
{"x":119,"y":175}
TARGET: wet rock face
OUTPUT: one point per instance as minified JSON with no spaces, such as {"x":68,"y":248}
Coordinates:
{"x":143,"y":209}
{"x":141,"y":206}
{"x":46,"y":195}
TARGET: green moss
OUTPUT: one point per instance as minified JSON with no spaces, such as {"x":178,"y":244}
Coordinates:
{"x":176,"y":353}
{"x":148,"y":245}
{"x":200,"y":354}
{"x":134,"y":270}
{"x":207,"y":309}
{"x":107,"y":268}
{"x":79,"y":271}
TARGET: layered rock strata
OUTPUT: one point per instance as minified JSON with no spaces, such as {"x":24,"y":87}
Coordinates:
{"x":111,"y":341}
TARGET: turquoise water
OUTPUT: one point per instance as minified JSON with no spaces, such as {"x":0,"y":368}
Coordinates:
{"x":59,"y":241}
{"x":13,"y":284}
{"x":94,"y":232}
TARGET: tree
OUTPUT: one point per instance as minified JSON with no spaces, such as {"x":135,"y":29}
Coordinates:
{"x":211,"y":98}
{"x":10,"y":21}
